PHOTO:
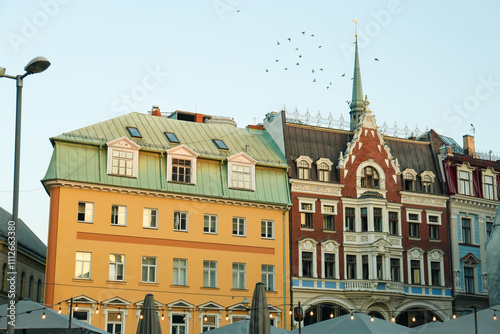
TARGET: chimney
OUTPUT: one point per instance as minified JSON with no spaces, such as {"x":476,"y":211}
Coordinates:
{"x":198,"y":118}
{"x":469,"y":145}
{"x":155,"y":111}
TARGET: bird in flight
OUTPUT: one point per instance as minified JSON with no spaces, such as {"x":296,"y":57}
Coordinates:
{"x":277,"y":60}
{"x":267,"y":70}
{"x":314,"y":80}
{"x":303,"y":33}
{"x":327,"y":87}
{"x":376,"y":59}
{"x":296,"y":49}
{"x":321,"y":69}
{"x":319,"y":46}
{"x":312,"y":70}
{"x":300,"y":56}
{"x":312,"y":35}
{"x":343,"y":75}
{"x":289,"y":39}
{"x":277,"y":43}
{"x":286,"y":68}
{"x":297,"y":64}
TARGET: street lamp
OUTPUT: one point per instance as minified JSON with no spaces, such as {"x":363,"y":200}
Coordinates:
{"x":36,"y":65}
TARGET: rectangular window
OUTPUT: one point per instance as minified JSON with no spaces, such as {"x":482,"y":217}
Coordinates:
{"x":267,"y":229}
{"x":122,"y":163}
{"x":239,"y":226}
{"x":364,"y":219}
{"x":393,"y":223}
{"x":209,"y":274}
{"x":180,"y":221}
{"x":395,"y":270}
{"x":324,"y":174}
{"x":434,"y":232}
{"x":150,"y":218}
{"x":171,"y":137}
{"x":116,"y":267}
{"x":415,"y":271}
{"x":350,"y":219}
{"x":351,"y":266}
{"x":464,"y":182}
{"x":435,"y":273}
{"x":469,"y":280}
{"x":85,"y":212}
{"x":239,"y":275}
{"x":148,"y":269}
{"x":210,"y":224}
{"x":377,"y":219}
{"x":329,"y":222}
{"x":466,"y":237}
{"x":306,"y":217}
{"x":380,"y":268}
{"x":83,"y":264}
{"x":303,"y":169}
{"x":114,"y":322}
{"x":268,"y":277}
{"x":488,"y":187}
{"x":241,"y":177}
{"x":329,"y":265}
{"x":82,"y":316}
{"x":134,"y":132}
{"x":180,"y":272}
{"x":489,"y":229}
{"x":427,"y":187}
{"x":307,"y":264}
{"x":209,"y":323}
{"x":220,"y":144}
{"x":414,"y":220}
{"x":181,"y":170}
{"x":179,"y":324}
{"x":119,"y":215}
{"x":364,"y":267}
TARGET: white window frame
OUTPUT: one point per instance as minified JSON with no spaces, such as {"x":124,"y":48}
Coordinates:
{"x":356,"y":267}
{"x":419,"y":221}
{"x":307,"y":200}
{"x":209,"y":315}
{"x":423,"y":176}
{"x":147,"y":215}
{"x":241,"y":270}
{"x":264,"y":224}
{"x":122,"y":318}
{"x":178,"y":270}
{"x":155,"y":266}
{"x":184,"y":153}
{"x":493,"y":174}
{"x":80,"y":264}
{"x":308,"y":245}
{"x":89,"y":312}
{"x":467,"y":169}
{"x":437,"y":214}
{"x":435,"y":255}
{"x":88,"y":212}
{"x":209,"y":270}
{"x":185,"y":318}
{"x":121,"y":214}
{"x":126,"y":145}
{"x":116,"y":265}
{"x":329,"y":169}
{"x":239,"y":233}
{"x":178,"y":224}
{"x":330,"y":247}
{"x":268,"y":274}
{"x":409,"y":174}
{"x":416,"y":254}
{"x":210,"y":222}
{"x":331,"y":203}
{"x":471,"y":228}
{"x":243,"y":160}
{"x":309,"y":161}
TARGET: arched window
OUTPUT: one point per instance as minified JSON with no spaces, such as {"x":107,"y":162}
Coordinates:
{"x":323,"y":172}
{"x":31,"y":288}
{"x":303,"y":170}
{"x":39,"y":292}
{"x":369,"y":178}
{"x":22,"y":290}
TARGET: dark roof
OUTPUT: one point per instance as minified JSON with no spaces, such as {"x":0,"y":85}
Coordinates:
{"x":317,"y":142}
{"x":26,"y":239}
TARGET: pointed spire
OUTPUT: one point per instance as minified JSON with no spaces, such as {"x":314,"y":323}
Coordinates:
{"x":357,"y":103}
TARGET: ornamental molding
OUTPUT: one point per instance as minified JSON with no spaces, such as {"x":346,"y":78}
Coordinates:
{"x":307,"y":244}
{"x":415,"y":253}
{"x":469,"y":203}
{"x":329,"y":246}
{"x":436,"y":255}
{"x":123,"y":142}
{"x":457,"y":280}
{"x":312,"y":187}
{"x":423,"y":199}
{"x":151,"y":193}
{"x":484,"y":280}
{"x":243,"y":158}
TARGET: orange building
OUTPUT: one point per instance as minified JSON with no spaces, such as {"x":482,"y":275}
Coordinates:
{"x":188,"y":207}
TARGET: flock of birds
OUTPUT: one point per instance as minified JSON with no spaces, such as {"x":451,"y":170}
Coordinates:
{"x":317,"y":73}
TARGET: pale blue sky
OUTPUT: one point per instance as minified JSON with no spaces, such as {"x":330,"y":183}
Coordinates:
{"x":439,"y":67}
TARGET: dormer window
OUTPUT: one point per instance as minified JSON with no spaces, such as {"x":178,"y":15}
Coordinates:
{"x":123,"y":157}
{"x":134,"y":132}
{"x":409,"y":179}
{"x":464,"y":182}
{"x":369,"y":178}
{"x":324,"y":169}
{"x":181,"y":165}
{"x":303,"y":167}
{"x":241,"y":171}
{"x":489,"y":183}
{"x":427,"y":178}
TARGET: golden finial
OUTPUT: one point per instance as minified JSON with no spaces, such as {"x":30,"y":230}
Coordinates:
{"x":356,"y":22}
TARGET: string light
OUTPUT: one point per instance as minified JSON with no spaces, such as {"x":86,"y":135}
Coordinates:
{"x":270,"y":315}
{"x":205,"y":318}
{"x":141,"y":316}
{"x":119,"y":316}
{"x":290,"y":312}
{"x":43,"y":315}
{"x":97,"y":310}
{"x":331,"y":315}
{"x":162,"y":316}
{"x":454,"y":316}
{"x":495,"y":316}
{"x":393,"y":319}
{"x":352,"y":316}
{"x":76,"y":307}
{"x":434,"y":318}
{"x":227,"y":317}
{"x":372,"y":319}
{"x":59,"y":310}
{"x":311,"y":313}
{"x":413,"y":319}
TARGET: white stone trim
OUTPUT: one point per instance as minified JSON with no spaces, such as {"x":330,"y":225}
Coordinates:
{"x":435,"y":255}
{"x":416,"y":253}
{"x":423,"y":199}
{"x":126,"y":145}
{"x":241,"y":159}
{"x":308,"y":245}
{"x":185,"y":153}
{"x":312,"y":187}
{"x":329,"y":202}
{"x":330,"y":247}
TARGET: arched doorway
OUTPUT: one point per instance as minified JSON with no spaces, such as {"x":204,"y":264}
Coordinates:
{"x":323,"y":311}
{"x":414,"y":317}
{"x":376,"y":314}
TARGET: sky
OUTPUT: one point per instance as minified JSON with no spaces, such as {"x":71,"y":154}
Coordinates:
{"x":437,"y":68}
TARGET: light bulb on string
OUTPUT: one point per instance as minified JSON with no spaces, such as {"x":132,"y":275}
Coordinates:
{"x":97,"y":310}
{"x":119,"y":316}
{"x":162,"y":316}
{"x":372,"y":319}
{"x":270,"y":315}
{"x":413,"y":319}
{"x":331,"y":315}
{"x":311,"y":313}
{"x":43,"y":315}
{"x":227,"y":317}
{"x":393,"y":319}
{"x":205,"y":318}
{"x":434,"y":318}
{"x":141,"y":316}
{"x":454,"y":316}
{"x":59,"y":310}
{"x":76,"y":307}
{"x":352,"y":316}
{"x":495,"y":316}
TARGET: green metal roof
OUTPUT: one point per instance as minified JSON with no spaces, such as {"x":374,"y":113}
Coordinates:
{"x":73,"y":161}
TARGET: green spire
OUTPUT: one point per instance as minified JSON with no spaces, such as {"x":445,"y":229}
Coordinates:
{"x":357,"y":104}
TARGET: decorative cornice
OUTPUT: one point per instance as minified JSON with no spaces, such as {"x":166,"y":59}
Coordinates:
{"x":312,"y":187}
{"x":423,"y":199}
{"x":152,"y":193}
{"x":482,"y":205}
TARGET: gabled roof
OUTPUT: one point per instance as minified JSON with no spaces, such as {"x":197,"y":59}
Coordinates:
{"x":26,"y":239}
{"x":197,"y":136}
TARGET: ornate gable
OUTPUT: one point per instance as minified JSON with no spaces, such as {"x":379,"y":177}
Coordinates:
{"x":123,"y":142}
{"x":180,"y":304}
{"x":242,"y":157}
{"x":182,"y":151}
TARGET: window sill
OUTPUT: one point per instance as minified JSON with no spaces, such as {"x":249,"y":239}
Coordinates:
{"x":148,"y":284}
{"x":434,"y":240}
{"x":84,"y":222}
{"x":127,"y":176}
{"x":241,"y":236}
{"x":119,"y":225}
{"x":180,"y":230}
{"x":329,"y":231}
{"x":271,"y":292}
{"x":234,"y":289}
{"x":212,"y":233}
{"x":209,"y":288}
{"x":307,"y":229}
{"x":150,"y":228}
{"x":115,"y":282}
{"x":414,"y":238}
{"x":267,"y":238}
{"x":179,"y":286}
{"x":242,"y":189}
{"x":468,"y":245}
{"x":89,"y":280}
{"x":185,"y":183}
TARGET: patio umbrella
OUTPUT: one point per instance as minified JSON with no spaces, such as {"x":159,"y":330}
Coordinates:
{"x":361,"y":324}
{"x":150,"y":322}
{"x":466,"y":324}
{"x":241,"y":327}
{"x":259,"y":316}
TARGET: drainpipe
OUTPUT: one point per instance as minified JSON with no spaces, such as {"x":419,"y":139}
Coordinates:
{"x":99,"y":161}
{"x":221,"y":178}
{"x":161,"y":178}
{"x":284,"y":264}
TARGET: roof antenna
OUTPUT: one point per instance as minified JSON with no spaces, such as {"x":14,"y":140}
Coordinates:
{"x":473,"y":130}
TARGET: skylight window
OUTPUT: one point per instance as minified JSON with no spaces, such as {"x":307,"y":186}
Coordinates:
{"x":220,"y":144}
{"x":171,"y":137}
{"x":134,"y":132}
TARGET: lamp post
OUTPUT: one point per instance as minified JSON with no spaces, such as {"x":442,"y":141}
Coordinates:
{"x":36,"y":65}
